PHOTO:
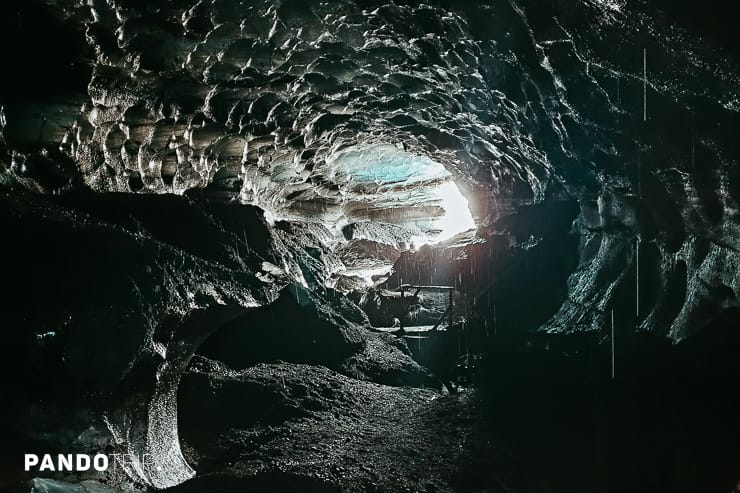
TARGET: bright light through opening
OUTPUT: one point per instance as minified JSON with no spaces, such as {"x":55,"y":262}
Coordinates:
{"x":386,"y":177}
{"x":398,"y":200}
{"x":457,"y":217}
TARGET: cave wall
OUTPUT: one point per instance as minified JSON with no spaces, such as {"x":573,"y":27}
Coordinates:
{"x":524,"y":103}
{"x":109,"y":298}
{"x":141,"y":144}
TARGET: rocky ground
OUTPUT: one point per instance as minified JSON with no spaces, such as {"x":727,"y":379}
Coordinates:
{"x":299,"y":428}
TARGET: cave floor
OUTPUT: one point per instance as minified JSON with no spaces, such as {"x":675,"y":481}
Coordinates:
{"x":345,"y":435}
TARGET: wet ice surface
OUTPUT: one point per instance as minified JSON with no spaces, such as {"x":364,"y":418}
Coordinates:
{"x":381,"y":167}
{"x":385,"y":179}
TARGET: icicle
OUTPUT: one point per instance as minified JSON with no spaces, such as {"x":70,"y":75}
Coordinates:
{"x":495,"y":321}
{"x":637,"y":278}
{"x":612,"y":341}
{"x":644,"y":84}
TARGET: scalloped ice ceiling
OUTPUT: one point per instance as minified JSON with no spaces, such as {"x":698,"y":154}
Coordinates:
{"x":379,"y":183}
{"x":292,"y":105}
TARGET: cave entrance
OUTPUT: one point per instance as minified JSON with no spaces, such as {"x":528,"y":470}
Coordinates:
{"x":392,"y":201}
{"x":387,"y":185}
{"x":371,"y":202}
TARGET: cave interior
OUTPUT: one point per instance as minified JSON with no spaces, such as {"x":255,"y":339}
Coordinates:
{"x":371,"y":246}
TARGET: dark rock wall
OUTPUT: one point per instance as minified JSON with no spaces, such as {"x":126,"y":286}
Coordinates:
{"x":109,"y":296}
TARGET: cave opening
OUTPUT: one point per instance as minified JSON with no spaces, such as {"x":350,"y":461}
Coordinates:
{"x":372,"y":202}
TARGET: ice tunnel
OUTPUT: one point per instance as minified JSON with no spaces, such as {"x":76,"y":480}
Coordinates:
{"x":398,"y":187}
{"x":369,"y":246}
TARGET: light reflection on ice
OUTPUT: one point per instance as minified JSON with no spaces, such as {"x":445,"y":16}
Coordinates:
{"x":384,"y":176}
{"x":457,"y":216}
{"x":384,"y":166}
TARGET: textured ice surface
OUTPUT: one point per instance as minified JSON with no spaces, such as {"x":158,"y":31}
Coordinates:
{"x":383,"y":177}
{"x":523,"y":102}
{"x":384,"y":166}
{"x":44,"y":485}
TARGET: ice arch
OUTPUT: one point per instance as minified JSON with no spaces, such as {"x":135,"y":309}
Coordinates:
{"x":398,"y":187}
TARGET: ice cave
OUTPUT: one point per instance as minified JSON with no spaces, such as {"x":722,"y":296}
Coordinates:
{"x":360,"y":246}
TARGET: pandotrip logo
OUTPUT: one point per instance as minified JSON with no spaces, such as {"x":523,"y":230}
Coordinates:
{"x":82,"y":462}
